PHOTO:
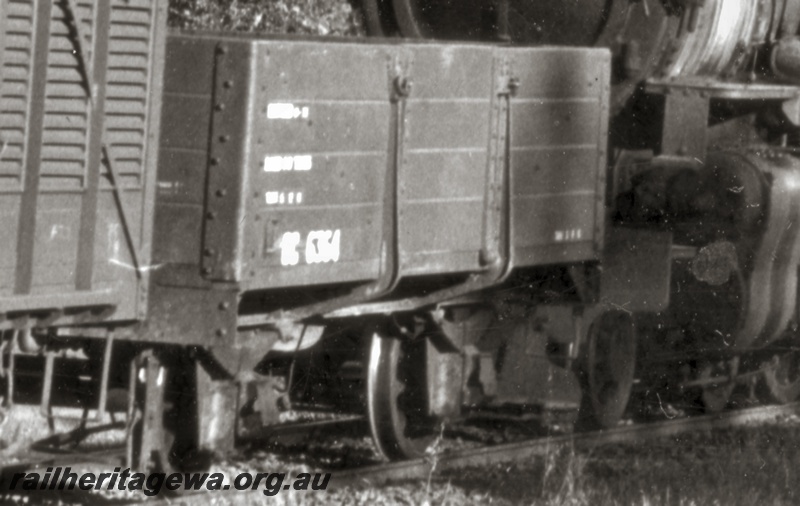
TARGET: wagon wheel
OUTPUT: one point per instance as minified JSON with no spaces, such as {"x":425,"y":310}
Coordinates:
{"x":609,"y":368}
{"x":715,"y":396}
{"x":782,"y":378}
{"x":397,"y":397}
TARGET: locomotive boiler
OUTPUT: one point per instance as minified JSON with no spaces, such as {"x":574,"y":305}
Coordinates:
{"x":557,"y":207}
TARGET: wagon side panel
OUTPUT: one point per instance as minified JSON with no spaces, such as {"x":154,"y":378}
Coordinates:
{"x":78,"y":119}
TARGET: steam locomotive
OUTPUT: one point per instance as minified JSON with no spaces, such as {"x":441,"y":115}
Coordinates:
{"x":562,"y":206}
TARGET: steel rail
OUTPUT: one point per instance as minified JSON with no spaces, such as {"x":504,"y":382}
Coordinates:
{"x":422,"y":468}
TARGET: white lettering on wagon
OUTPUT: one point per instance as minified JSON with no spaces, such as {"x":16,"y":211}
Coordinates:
{"x":283,"y":198}
{"x":283,"y":110}
{"x":571,"y":234}
{"x":299,"y":163}
{"x":321,"y":246}
{"x":289,"y":243}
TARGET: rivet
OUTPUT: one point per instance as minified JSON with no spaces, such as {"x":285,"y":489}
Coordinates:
{"x":224,"y":305}
{"x":222,"y":49}
{"x":206,"y":270}
{"x":220,"y":107}
{"x":222,"y":192}
{"x":208,"y":252}
{"x":228,"y":83}
{"x":222,"y":332}
{"x":224,"y":138}
{"x":214,"y":161}
{"x":211,"y":215}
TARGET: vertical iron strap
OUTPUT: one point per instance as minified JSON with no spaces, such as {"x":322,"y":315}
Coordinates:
{"x":26,"y":234}
{"x":97,"y":88}
{"x":390,"y":251}
{"x":507,"y":179}
{"x":496,"y":211}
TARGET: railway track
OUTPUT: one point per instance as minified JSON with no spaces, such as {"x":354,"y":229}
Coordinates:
{"x":437,"y":463}
{"x":509,"y":452}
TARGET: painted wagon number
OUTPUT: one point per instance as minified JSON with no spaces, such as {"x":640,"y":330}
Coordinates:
{"x":321,"y":246}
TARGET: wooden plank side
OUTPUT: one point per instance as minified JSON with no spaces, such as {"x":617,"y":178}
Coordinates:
{"x":318,"y":164}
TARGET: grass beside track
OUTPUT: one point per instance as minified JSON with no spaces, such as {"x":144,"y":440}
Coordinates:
{"x":743,"y":466}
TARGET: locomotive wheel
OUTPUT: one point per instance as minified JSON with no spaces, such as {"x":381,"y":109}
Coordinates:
{"x":408,"y":16}
{"x":782,"y":378}
{"x":396,"y":397}
{"x":714,"y":397}
{"x":609,"y":369}
{"x":427,"y":20}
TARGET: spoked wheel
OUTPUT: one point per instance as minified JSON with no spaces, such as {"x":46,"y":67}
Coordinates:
{"x":782,"y":378}
{"x":609,"y":368}
{"x":397,"y":397}
{"x":715,"y":396}
{"x":517,"y":21}
{"x":465,"y":19}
